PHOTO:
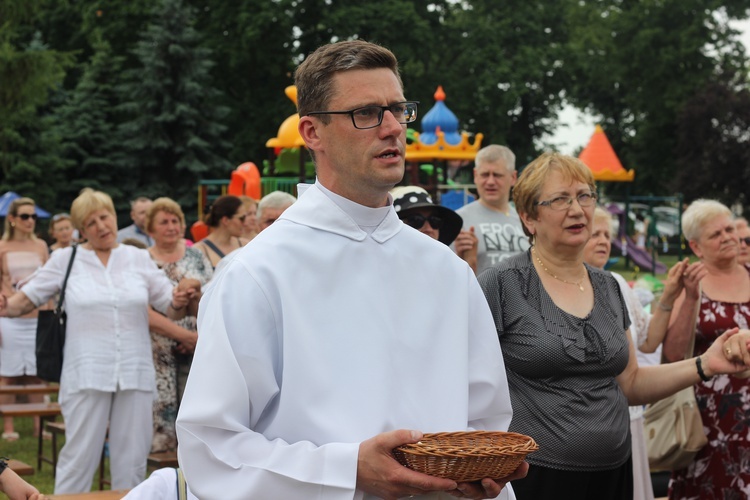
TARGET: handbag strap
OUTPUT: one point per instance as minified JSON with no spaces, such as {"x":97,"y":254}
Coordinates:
{"x":65,"y":281}
{"x":691,"y":344}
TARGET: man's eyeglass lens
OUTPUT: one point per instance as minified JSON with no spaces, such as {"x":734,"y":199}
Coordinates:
{"x":417,"y":221}
{"x":27,"y":216}
{"x":745,"y":240}
{"x":372,"y":116}
{"x":564,"y":202}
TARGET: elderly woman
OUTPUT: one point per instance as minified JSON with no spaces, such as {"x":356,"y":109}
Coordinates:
{"x":21,"y":253}
{"x":108,"y":372}
{"x":225,"y":220}
{"x":720,"y":287}
{"x":743,"y":235}
{"x":61,"y":230}
{"x":647,"y":333}
{"x":172,"y":342}
{"x":563,"y":327}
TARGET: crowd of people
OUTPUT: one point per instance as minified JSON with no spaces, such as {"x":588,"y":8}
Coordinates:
{"x":338,"y":326}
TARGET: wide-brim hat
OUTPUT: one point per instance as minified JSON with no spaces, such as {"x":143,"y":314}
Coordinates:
{"x":407,"y":199}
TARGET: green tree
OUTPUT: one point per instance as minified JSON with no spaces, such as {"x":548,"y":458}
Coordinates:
{"x":29,"y":71}
{"x":713,"y":144}
{"x":253,"y":48}
{"x":636,"y":64}
{"x":87,"y":127}
{"x":174,"y":132}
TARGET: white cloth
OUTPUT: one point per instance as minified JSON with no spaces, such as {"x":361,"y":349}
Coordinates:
{"x":321,"y":334}
{"x":160,"y":485}
{"x":639,"y":321}
{"x":17,"y":347}
{"x":107,"y":345}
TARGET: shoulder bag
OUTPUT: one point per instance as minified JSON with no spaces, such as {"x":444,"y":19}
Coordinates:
{"x":50,"y":335}
{"x":673,"y":426}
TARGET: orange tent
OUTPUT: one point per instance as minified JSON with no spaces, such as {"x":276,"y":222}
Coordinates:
{"x":599,"y":156}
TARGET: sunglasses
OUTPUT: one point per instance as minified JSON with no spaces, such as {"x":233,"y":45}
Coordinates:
{"x":745,"y":240}
{"x":27,"y":216}
{"x":417,"y":221}
{"x":242,"y":218}
{"x":60,"y":216}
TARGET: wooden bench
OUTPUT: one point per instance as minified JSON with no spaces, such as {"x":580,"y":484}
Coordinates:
{"x":45,"y":411}
{"x":29,"y":389}
{"x":161,"y":460}
{"x":20,"y":468}
{"x":93,"y":495}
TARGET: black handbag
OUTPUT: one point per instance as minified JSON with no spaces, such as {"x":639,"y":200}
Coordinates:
{"x":50,"y":335}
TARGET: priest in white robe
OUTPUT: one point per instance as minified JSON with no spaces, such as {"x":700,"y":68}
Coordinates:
{"x":339,"y":333}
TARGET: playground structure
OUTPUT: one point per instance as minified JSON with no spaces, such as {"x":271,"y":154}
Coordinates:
{"x":600,"y":157}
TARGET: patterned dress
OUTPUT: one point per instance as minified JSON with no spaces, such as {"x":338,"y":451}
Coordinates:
{"x":721,"y":470}
{"x":192,"y":265}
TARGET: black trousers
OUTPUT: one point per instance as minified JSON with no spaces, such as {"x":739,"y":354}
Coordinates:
{"x":543,"y":483}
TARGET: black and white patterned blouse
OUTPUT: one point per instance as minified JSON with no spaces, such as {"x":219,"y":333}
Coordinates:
{"x":562,"y":368}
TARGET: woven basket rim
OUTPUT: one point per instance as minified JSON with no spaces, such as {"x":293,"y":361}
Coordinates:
{"x":439,"y":444}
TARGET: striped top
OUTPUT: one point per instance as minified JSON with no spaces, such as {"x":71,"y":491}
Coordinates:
{"x":562,"y":368}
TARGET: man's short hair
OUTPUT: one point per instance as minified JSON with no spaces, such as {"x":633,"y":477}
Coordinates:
{"x":314,"y":77}
{"x":495,"y":153}
{"x":140,"y":199}
{"x":275,"y":199}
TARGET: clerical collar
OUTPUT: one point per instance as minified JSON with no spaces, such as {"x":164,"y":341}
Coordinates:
{"x":368,"y":219}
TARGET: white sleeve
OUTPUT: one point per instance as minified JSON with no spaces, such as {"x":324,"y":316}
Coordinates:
{"x":46,"y":281}
{"x":161,"y":484}
{"x":232,"y":385}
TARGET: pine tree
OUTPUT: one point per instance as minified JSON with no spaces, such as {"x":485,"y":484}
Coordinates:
{"x":87,"y":126}
{"x":173,"y":134}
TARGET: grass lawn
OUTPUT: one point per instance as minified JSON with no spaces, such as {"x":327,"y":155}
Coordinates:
{"x":25,"y":450}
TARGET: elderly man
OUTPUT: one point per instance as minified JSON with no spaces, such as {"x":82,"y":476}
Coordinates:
{"x":743,"y":233}
{"x":137,"y":230}
{"x":271,"y":206}
{"x":494,"y":220}
{"x":320,"y":347}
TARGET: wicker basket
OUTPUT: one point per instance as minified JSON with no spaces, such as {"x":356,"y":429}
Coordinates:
{"x":466,"y":456}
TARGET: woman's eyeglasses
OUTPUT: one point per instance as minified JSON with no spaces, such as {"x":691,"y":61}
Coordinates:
{"x":57,"y":217}
{"x":745,"y":240}
{"x":27,"y":216}
{"x":417,"y":221}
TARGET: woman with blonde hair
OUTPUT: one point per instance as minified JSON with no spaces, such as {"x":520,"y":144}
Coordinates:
{"x":564,"y":331}
{"x":172,"y":342}
{"x":21,"y":253}
{"x":108,"y":372}
{"x":719,"y":286}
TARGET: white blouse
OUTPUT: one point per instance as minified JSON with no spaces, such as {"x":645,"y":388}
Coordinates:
{"x":107,"y":346}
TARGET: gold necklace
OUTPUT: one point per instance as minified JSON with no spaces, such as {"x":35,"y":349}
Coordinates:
{"x":579,"y":284}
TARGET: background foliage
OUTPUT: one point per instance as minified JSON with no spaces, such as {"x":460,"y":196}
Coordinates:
{"x":148,"y":97}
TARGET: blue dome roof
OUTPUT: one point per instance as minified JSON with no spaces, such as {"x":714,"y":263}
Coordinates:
{"x":442,"y":117}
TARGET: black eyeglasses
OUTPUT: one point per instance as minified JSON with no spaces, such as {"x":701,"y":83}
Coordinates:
{"x":565,"y":202}
{"x":417,"y":221}
{"x":372,"y":116}
{"x":745,"y":240}
{"x":27,"y":216}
